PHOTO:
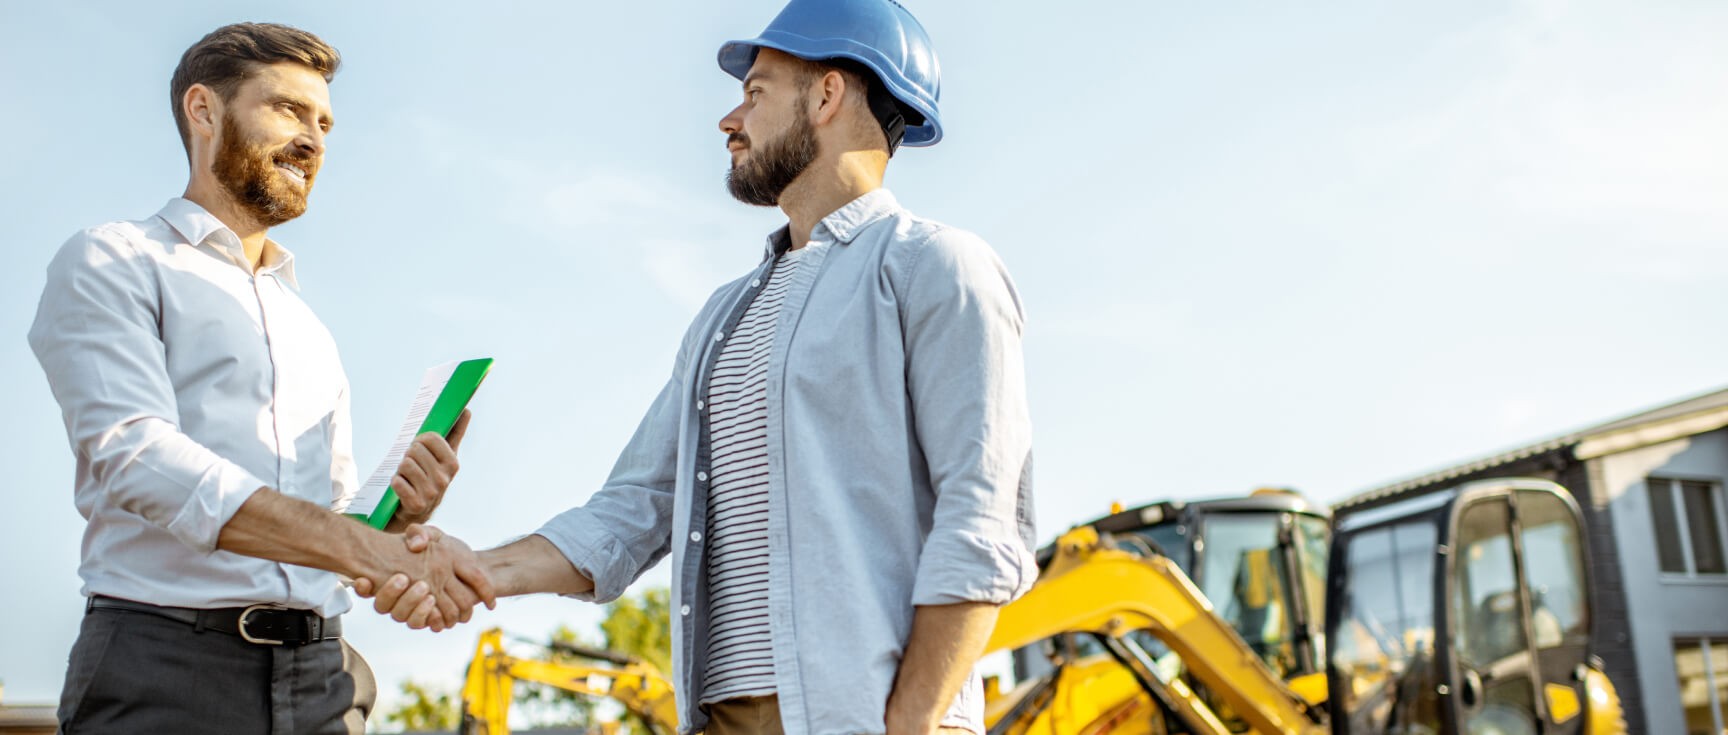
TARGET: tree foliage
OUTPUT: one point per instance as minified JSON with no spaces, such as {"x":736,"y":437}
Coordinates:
{"x":641,"y":626}
{"x":425,"y":708}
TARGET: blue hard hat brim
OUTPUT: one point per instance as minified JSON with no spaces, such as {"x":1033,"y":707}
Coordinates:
{"x":736,"y":58}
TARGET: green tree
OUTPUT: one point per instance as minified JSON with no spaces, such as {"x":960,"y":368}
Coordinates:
{"x":641,"y":626}
{"x":425,"y":709}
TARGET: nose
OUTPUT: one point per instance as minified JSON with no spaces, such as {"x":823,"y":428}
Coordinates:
{"x":733,"y":121}
{"x":311,"y":141}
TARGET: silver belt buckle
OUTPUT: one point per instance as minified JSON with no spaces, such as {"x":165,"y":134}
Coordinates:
{"x":248,"y":637}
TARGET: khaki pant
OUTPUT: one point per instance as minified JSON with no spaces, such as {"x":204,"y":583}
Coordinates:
{"x":761,"y":716}
{"x":745,"y":716}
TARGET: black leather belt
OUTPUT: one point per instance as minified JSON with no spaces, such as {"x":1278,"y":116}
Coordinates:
{"x":265,"y":625}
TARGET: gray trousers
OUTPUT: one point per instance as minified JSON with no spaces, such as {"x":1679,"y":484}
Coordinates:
{"x":133,"y":672}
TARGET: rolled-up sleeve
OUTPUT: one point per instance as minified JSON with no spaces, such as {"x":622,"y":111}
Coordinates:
{"x":966,"y":375}
{"x":96,"y":336}
{"x":626,"y":528}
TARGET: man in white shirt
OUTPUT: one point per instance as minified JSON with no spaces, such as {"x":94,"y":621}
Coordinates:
{"x":209,"y":415}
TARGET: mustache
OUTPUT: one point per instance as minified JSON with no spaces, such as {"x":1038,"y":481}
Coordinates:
{"x":738,"y":137}
{"x":307,"y":162}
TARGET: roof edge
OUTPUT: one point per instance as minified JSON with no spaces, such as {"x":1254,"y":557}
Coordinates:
{"x":1608,"y":437}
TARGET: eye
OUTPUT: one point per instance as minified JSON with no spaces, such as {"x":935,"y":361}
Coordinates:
{"x":287,"y":109}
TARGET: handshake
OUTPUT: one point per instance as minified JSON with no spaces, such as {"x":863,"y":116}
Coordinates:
{"x":423,"y":577}
{"x":432,"y":581}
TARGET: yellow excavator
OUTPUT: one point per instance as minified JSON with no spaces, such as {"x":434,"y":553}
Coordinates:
{"x":493,"y":673}
{"x":1259,"y":562}
{"x":1461,"y":611}
{"x":1144,"y":613}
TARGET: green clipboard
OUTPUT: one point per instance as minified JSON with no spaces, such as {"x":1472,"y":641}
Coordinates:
{"x":440,"y":418}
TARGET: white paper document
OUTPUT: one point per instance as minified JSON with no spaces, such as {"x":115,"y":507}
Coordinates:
{"x":431,"y":385}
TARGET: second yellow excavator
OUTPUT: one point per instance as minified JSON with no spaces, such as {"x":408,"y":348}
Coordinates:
{"x":1458,"y":611}
{"x":493,"y":673}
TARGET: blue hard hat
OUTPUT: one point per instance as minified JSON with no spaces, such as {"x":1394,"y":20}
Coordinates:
{"x":879,"y":34}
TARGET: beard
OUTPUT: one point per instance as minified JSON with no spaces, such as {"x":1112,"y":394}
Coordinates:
{"x":762,"y":177}
{"x":248,"y":174}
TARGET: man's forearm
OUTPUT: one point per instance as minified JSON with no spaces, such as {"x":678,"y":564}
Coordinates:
{"x":945,"y":644}
{"x":532,"y":565}
{"x":270,"y":525}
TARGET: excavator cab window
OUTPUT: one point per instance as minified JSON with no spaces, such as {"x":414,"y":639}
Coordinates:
{"x":1381,"y":632}
{"x":1488,"y":631}
{"x":1520,"y":616}
{"x":1265,"y":573}
{"x":1242,"y":574}
{"x":1313,"y":546}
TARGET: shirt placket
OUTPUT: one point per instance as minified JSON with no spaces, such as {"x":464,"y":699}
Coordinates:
{"x":782,"y":629}
{"x":261,"y":296}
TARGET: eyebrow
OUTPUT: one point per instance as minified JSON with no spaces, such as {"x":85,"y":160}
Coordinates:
{"x":755,"y":76}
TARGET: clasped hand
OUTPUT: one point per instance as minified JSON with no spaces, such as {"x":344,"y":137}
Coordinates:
{"x":438,"y":582}
{"x":438,"y":575}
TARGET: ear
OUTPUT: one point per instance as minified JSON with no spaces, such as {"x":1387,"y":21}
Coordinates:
{"x":832,"y":88}
{"x":202,"y":106}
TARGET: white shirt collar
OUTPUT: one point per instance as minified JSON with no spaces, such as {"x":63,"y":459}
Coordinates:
{"x":201,"y":228}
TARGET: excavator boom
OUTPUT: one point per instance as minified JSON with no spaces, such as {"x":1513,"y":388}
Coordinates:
{"x":492,"y":675}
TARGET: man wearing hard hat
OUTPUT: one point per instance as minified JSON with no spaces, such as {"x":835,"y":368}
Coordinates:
{"x":840,"y":465}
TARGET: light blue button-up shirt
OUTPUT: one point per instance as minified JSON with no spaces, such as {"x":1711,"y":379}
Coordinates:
{"x":899,"y":457}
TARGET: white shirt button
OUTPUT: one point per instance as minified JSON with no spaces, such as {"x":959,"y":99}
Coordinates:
{"x":700,"y":405}
{"x":719,"y":336}
{"x":703,"y":476}
{"x":685,"y":610}
{"x":754,"y":282}
{"x":696,"y":536}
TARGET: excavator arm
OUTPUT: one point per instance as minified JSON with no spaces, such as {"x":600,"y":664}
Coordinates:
{"x":492,"y":675}
{"x":1091,"y":588}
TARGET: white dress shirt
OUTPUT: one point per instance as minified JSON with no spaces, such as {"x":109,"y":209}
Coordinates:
{"x":187,"y":383}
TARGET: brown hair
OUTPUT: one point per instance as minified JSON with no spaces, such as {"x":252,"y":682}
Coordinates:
{"x":226,"y":57}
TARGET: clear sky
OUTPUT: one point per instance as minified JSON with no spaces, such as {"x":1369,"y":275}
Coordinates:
{"x":1324,"y":247}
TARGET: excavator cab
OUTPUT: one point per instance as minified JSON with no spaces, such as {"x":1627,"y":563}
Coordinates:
{"x":1464,"y":610}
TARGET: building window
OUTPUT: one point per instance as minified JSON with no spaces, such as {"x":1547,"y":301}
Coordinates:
{"x":1691,"y":523}
{"x":1702,"y":665}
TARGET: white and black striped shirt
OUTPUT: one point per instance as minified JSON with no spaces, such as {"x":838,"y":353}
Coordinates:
{"x":740,"y":649}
